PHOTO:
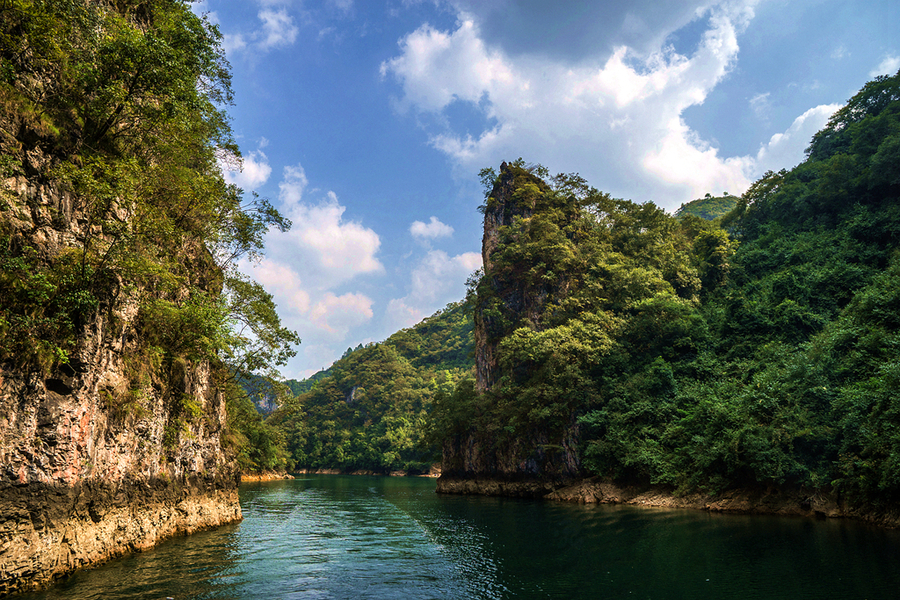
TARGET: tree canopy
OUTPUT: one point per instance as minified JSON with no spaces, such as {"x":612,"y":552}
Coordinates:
{"x":757,"y":349}
{"x":119,"y":107}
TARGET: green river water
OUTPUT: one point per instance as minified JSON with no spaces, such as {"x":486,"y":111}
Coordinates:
{"x":370,"y":537}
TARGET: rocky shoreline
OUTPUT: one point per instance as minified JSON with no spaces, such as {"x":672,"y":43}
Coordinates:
{"x":50,"y":531}
{"x":265,"y":476}
{"x":770,"y":501}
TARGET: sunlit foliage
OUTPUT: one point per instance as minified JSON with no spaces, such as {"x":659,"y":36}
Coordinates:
{"x":119,"y":106}
{"x":757,"y":349}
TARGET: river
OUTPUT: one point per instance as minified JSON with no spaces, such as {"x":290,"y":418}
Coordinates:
{"x":369,"y":537}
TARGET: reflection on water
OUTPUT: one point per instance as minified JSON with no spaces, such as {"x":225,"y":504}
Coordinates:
{"x":368,"y":537}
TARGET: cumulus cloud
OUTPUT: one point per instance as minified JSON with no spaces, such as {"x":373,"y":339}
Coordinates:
{"x":326,"y":248}
{"x":284,"y":283}
{"x":889,"y":65}
{"x":431,"y":230}
{"x":786,"y":150}
{"x":338,"y":314}
{"x":617,"y":121}
{"x":249,"y":172}
{"x":340,"y":248}
{"x":304,"y":267}
{"x":291,"y":188}
{"x":435,"y":281}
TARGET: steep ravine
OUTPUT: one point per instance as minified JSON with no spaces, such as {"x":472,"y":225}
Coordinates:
{"x":93,"y":465}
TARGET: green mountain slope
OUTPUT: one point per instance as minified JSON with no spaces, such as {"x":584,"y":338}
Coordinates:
{"x":709,"y":208}
{"x":633,"y":345}
{"x":369,"y":411}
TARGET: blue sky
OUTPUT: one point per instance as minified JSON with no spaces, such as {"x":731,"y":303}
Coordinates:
{"x":366,"y":124}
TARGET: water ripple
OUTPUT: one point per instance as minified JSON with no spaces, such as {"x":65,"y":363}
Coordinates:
{"x":331,"y":537}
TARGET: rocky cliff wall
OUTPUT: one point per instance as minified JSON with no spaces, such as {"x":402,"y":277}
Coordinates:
{"x":504,"y":206}
{"x":95,"y":462}
{"x":505,"y":300}
{"x":548,"y":457}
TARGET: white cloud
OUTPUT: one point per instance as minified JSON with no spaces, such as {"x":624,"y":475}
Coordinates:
{"x":283,"y":283}
{"x":761,"y":105}
{"x":336,"y":315}
{"x":889,"y":65}
{"x":322,"y":248}
{"x":618,"y":122}
{"x":325,"y":248}
{"x":304,"y":268}
{"x":233,"y":42}
{"x":291,"y":188}
{"x":278,"y":29}
{"x":431,"y":230}
{"x":344,"y":248}
{"x":437,"y":68}
{"x":437,"y":280}
{"x":248,"y":173}
{"x":786,"y":150}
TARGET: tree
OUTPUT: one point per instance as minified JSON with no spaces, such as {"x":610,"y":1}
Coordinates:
{"x":121,"y":106}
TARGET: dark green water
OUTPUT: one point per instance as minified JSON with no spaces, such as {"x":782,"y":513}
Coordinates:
{"x":369,"y":537}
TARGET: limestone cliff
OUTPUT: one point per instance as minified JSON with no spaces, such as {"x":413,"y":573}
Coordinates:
{"x":507,"y":299}
{"x":504,"y":205}
{"x":118,"y":287}
{"x":92,"y":463}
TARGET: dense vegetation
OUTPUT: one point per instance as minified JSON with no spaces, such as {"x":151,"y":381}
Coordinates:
{"x":117,"y":105}
{"x":760,"y":348}
{"x":762,"y":351}
{"x":710,"y":207}
{"x":370,"y":410}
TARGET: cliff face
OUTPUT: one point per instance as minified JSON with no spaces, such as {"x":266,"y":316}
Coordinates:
{"x":507,"y":299}
{"x":94,"y":461}
{"x":529,"y":466}
{"x":505,"y":205}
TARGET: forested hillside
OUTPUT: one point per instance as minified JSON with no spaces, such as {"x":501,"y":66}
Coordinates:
{"x":369,"y":411}
{"x":762,"y":351}
{"x":124,"y":321}
{"x":117,"y":109}
{"x":710,"y":207}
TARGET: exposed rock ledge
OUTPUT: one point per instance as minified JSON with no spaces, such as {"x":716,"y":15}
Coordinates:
{"x":772,"y":501}
{"x":49,"y":531}
{"x":265,"y":476}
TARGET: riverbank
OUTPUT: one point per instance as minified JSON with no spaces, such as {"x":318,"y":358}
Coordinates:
{"x":50,"y":531}
{"x":265,"y":476}
{"x":770,"y":501}
{"x":434,"y":472}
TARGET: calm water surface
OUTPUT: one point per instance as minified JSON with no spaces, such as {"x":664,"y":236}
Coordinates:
{"x":368,"y":537}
